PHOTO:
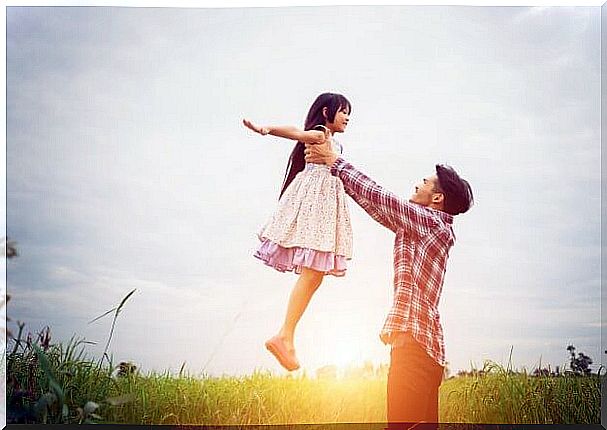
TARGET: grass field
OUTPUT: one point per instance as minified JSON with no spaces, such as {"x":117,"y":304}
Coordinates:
{"x":56,"y":383}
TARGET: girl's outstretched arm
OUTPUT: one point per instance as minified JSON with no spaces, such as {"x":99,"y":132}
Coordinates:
{"x":288,"y":132}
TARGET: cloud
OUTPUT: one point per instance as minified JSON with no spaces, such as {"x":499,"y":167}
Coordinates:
{"x":128,"y":168}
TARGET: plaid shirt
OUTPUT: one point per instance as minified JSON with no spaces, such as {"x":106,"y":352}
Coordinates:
{"x":421,"y":248}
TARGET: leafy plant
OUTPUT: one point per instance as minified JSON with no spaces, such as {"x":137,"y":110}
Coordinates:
{"x":580,"y":365}
{"x":52,"y":384}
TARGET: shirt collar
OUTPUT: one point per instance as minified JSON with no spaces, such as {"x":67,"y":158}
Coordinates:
{"x":446,"y":217}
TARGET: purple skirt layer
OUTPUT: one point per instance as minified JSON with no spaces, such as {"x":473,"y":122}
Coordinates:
{"x":294,"y":259}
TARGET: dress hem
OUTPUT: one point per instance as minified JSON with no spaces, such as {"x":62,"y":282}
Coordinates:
{"x":294,"y":259}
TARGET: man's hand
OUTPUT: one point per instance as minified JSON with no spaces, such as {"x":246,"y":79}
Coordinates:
{"x":321,"y":154}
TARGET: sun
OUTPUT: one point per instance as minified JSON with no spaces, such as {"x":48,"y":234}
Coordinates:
{"x":342,"y":355}
{"x":346,"y":355}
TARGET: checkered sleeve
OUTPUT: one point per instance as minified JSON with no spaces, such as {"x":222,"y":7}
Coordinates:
{"x":382,"y":205}
{"x":369,"y":207}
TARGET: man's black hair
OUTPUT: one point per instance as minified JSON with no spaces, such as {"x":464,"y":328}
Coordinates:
{"x":458,"y":194}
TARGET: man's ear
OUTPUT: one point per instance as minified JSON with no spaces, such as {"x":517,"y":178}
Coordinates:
{"x":325,"y":113}
{"x":438,"y":198}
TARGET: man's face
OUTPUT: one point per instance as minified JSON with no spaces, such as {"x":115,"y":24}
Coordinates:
{"x":425,"y":191}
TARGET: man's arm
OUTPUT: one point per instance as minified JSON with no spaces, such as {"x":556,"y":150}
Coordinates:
{"x":369,"y":207}
{"x":386,"y":207}
{"x":382,"y":205}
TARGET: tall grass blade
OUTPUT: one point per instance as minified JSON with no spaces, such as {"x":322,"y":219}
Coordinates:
{"x":52,"y":382}
{"x":116,"y":311}
{"x":101,"y":316}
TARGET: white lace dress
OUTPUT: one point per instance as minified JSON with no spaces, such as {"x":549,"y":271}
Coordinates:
{"x":311,"y":226}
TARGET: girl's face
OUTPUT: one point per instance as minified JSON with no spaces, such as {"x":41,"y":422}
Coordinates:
{"x":340,"y":122}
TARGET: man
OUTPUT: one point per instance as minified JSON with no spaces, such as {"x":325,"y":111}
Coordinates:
{"x":424,"y":235}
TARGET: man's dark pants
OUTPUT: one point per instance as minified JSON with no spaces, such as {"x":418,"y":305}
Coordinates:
{"x":413,"y":381}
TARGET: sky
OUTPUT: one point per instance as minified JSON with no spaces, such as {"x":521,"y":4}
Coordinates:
{"x":128,"y":169}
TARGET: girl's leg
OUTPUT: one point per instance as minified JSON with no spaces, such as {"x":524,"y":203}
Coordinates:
{"x":308,"y":282}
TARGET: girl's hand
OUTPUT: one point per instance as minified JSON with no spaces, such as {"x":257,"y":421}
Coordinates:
{"x":261,"y":130}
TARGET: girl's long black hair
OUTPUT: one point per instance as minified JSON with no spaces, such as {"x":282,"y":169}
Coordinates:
{"x":333,"y":102}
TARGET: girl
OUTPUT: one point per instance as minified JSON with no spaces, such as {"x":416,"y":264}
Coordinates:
{"x":310,"y":232}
